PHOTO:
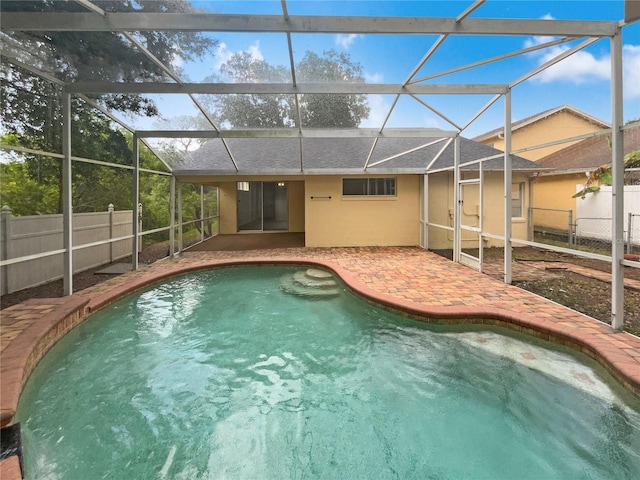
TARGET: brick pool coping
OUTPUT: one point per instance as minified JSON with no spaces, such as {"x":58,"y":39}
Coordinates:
{"x":408,"y":280}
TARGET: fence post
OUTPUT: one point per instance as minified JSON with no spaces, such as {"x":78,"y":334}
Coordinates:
{"x":140,"y":227}
{"x":6,"y":240}
{"x":629,"y":237}
{"x":570,"y":228}
{"x":110,"y":209}
{"x":202,"y":213}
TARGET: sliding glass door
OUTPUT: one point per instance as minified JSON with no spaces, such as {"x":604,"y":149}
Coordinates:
{"x":262,"y":206}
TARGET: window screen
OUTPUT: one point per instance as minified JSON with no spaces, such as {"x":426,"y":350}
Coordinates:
{"x":517,"y":195}
{"x":369,"y":186}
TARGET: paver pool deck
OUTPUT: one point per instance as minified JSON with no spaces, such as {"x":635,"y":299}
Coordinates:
{"x":411,"y":280}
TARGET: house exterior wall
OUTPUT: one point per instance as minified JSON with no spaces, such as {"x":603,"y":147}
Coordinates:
{"x":441,"y":209}
{"x":296,"y":206}
{"x":554,"y":192}
{"x":384,"y":221}
{"x":361,"y":221}
{"x":229,"y":200}
{"x":558,"y":126}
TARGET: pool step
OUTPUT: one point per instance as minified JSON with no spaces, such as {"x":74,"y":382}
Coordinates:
{"x":306,"y":281}
{"x":311,"y":283}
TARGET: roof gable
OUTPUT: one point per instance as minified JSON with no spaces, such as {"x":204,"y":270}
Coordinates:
{"x":539,"y":117}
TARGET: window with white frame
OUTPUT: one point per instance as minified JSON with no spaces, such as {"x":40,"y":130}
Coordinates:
{"x":369,"y":186}
{"x":517,"y":200}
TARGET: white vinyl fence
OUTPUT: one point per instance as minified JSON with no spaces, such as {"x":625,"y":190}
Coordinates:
{"x":593,"y":218}
{"x":30,"y":235}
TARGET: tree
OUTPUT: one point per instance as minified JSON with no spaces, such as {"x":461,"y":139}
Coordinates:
{"x":602,"y":174}
{"x":331,"y":111}
{"x":273,"y":111}
{"x":254,"y":111}
{"x":31,"y":106}
{"x":93,"y":187}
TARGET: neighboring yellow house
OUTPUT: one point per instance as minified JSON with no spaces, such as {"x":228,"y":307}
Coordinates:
{"x":571,"y":166}
{"x":328,"y":194}
{"x":549,"y":126}
{"x":551,"y":193}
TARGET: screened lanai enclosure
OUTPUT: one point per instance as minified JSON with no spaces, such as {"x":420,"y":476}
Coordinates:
{"x":355,"y":123}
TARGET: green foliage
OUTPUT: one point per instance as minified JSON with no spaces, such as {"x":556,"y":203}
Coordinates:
{"x":24,"y":193}
{"x":31,"y":107}
{"x":254,"y":111}
{"x":331,"y":111}
{"x":602,"y":174}
{"x":278,"y":111}
{"x":155,"y":199}
{"x":582,"y":193}
{"x":93,"y":136}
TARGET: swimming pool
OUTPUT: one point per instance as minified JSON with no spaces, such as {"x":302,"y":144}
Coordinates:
{"x":227,"y":374}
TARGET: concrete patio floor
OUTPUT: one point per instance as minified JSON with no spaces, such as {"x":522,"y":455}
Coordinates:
{"x":410,"y":280}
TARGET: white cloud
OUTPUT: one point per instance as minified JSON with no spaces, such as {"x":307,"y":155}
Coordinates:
{"x":584,"y":67}
{"x":373,"y":77}
{"x":176,"y":61}
{"x":430,"y":122}
{"x":345,"y":41}
{"x":581,"y":67}
{"x":378,"y":110}
{"x":535,"y":41}
{"x":539,"y":40}
{"x":631,"y":65}
{"x":223,"y":54}
{"x":255,"y":52}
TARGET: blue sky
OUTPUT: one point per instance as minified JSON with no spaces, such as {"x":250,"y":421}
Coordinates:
{"x":582,"y":80}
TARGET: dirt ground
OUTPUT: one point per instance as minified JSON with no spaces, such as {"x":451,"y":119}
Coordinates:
{"x":584,"y":294}
{"x":81,"y":280}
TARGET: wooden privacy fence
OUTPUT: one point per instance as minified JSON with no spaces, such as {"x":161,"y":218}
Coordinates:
{"x":32,"y":235}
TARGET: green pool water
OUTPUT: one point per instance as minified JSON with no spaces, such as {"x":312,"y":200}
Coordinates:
{"x":222,"y":374}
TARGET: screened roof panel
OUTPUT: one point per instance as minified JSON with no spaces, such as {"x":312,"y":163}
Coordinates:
{"x":420,"y":8}
{"x":262,"y":7}
{"x":387,"y":44}
{"x":244,"y":58}
{"x":344,"y":155}
{"x":336,"y":153}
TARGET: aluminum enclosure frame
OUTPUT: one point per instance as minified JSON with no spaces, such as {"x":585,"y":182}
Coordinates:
{"x":97,"y":20}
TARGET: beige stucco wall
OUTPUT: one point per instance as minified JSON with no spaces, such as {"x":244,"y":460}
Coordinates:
{"x":555,"y":127}
{"x":441,"y":207}
{"x":384,"y":221}
{"x":227,"y":207}
{"x":296,"y":206}
{"x":228,"y":200}
{"x":361,"y":221}
{"x":554,"y":192}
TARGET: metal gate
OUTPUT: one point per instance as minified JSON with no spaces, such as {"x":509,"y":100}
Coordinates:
{"x":468,"y":241}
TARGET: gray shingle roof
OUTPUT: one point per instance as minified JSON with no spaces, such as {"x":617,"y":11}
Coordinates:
{"x":276,"y":156}
{"x":589,"y":153}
